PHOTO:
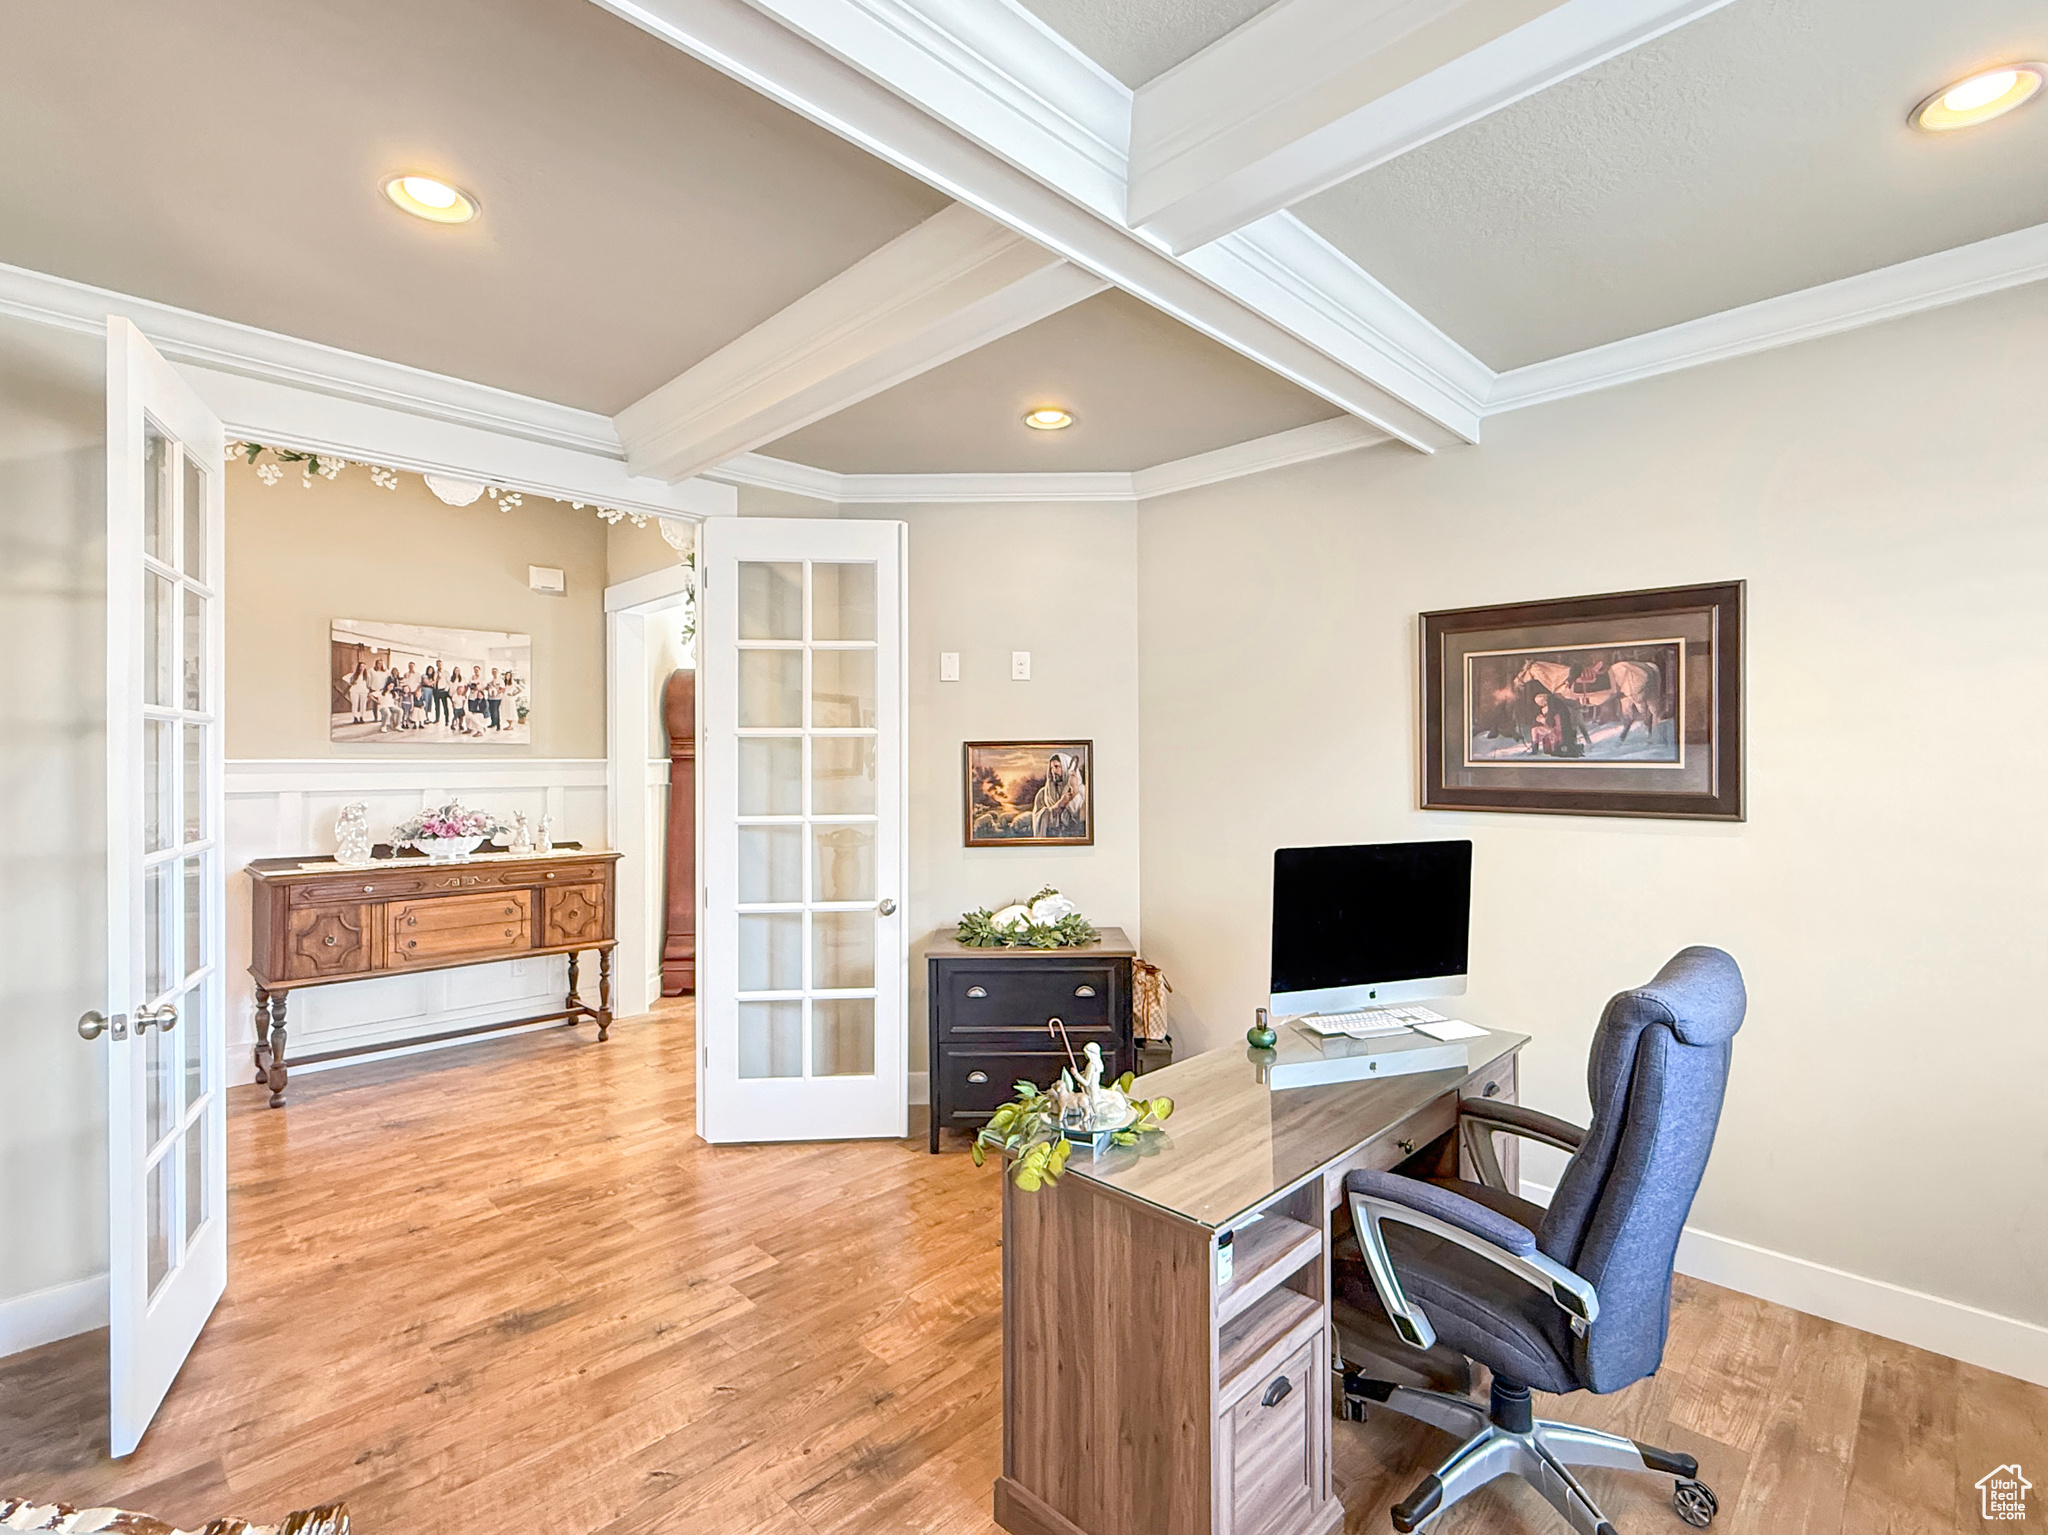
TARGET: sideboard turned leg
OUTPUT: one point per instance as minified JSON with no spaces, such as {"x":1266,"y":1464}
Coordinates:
{"x":572,"y":1003}
{"x":604,"y":993}
{"x":276,"y":1075}
{"x":262,"y":1050}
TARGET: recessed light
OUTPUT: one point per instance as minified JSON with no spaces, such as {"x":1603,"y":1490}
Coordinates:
{"x":1049,"y":420}
{"x":1989,"y":93}
{"x":431,"y":198}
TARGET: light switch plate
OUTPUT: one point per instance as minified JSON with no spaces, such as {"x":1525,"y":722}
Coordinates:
{"x":1020,"y":666}
{"x":949,"y":666}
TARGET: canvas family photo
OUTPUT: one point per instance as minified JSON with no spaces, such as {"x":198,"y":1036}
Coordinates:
{"x":420,"y":685}
{"x":1029,"y":793}
{"x":1578,"y":704}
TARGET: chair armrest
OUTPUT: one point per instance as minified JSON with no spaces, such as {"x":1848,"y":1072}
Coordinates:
{"x":1527,"y":1123}
{"x":1478,"y":1118}
{"x":1505,"y":1243}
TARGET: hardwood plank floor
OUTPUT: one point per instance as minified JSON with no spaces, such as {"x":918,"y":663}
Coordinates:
{"x":505,"y":1288}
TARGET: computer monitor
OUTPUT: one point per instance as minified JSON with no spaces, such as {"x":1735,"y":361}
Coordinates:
{"x":1370,"y":925}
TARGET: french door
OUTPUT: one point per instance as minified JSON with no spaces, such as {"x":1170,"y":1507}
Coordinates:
{"x":802,"y":945}
{"x":165,"y":1021}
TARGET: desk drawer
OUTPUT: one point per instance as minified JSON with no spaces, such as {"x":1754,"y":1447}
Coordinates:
{"x":348,"y":890}
{"x":975,"y":999}
{"x":1272,"y":1448}
{"x":437,"y":929}
{"x":1394,"y":1145}
{"x":974,"y":1083}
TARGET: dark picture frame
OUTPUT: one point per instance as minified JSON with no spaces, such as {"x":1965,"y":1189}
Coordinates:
{"x":1027,"y":793}
{"x":1621,"y":704}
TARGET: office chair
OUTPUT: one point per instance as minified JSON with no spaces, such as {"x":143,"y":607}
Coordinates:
{"x":1573,"y":1298}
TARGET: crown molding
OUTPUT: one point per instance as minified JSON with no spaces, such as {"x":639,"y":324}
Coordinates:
{"x":834,"y":63}
{"x":224,"y":346}
{"x":1319,"y":439}
{"x":954,"y":283}
{"x":1927,"y":282}
{"x":275,"y":388}
{"x":1310,"y":93}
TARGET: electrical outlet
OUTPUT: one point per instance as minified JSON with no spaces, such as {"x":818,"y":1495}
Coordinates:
{"x":949,"y":666}
{"x":1020,"y":666}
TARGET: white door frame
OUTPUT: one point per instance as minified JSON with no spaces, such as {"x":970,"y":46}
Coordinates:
{"x":629,"y":716}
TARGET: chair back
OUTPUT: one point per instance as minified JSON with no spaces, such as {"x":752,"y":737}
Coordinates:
{"x":1658,"y":1071}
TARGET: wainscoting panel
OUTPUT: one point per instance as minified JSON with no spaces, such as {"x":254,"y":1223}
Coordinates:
{"x":278,"y":808}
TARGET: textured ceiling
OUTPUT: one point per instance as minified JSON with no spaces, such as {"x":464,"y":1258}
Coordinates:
{"x":1144,"y":389}
{"x":1136,"y":40}
{"x":640,"y":210}
{"x":1760,"y":150}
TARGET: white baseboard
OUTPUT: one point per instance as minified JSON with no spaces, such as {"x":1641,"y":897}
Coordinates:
{"x":1951,"y":1328}
{"x":43,"y":1316}
{"x":920,"y":1087}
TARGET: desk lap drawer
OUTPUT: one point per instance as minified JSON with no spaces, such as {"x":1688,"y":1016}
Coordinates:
{"x":974,"y":998}
{"x":974,"y":1083}
{"x":1398,"y":1143}
{"x":454,"y":926}
{"x":352,"y":890}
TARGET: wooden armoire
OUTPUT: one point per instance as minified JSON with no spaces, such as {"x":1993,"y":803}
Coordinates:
{"x":679,"y":941}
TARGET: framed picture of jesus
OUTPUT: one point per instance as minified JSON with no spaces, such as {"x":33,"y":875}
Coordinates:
{"x":1627,"y":703}
{"x":1029,"y":793}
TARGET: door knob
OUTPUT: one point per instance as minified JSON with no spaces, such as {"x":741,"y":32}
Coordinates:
{"x":164,"y":1018}
{"x":93,"y":1023}
{"x":887,"y":908}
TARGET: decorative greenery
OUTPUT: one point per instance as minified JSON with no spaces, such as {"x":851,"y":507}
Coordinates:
{"x":1047,"y":921}
{"x":1027,"y":1129}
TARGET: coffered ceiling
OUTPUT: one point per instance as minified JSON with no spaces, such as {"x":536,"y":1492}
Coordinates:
{"x":1138,"y":40}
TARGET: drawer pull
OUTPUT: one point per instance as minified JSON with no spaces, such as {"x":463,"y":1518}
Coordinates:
{"x":412,"y":943}
{"x":330,"y":940}
{"x":977,"y":1077}
{"x":1084,"y":991}
{"x":1492,"y":1090}
{"x":508,"y":932}
{"x":369,"y":890}
{"x":1407,"y":1147}
{"x":551,"y":874}
{"x":977,"y":991}
{"x":1277,"y":1392}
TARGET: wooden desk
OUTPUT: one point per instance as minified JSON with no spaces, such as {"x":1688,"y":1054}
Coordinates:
{"x":1140,"y":1397}
{"x":315,"y":923}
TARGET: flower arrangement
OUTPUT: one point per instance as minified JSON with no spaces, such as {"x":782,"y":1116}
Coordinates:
{"x":1047,"y":921}
{"x":1030,"y":1129}
{"x":449,"y":832}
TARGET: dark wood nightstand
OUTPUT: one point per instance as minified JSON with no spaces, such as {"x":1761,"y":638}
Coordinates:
{"x":990,"y":1010}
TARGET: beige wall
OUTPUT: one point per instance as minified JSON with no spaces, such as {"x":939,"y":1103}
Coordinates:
{"x":300,"y":558}
{"x":53,"y":1085}
{"x":1883,"y":494}
{"x":1060,"y":582}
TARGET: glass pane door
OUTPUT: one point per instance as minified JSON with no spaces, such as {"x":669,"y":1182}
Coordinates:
{"x":801,"y":760}
{"x":164,"y":1024}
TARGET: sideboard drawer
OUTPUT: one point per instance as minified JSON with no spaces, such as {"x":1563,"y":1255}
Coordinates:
{"x":470,"y":926}
{"x":369,"y":885}
{"x":975,"y":1083}
{"x":1023,"y":995}
{"x":327,"y":941}
{"x":567,"y":874}
{"x":575,"y":914}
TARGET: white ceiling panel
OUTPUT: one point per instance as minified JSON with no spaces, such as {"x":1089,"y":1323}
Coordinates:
{"x":1758,"y":151}
{"x":1136,"y":40}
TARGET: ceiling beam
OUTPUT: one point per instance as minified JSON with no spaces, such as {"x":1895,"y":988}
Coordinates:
{"x":956,"y":282}
{"x":1029,"y":136}
{"x":1313,"y":92}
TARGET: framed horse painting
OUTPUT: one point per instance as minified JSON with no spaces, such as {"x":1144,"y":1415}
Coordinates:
{"x":1629,"y":703}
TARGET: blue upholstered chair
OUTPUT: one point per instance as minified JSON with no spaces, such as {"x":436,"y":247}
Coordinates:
{"x":1573,"y":1298}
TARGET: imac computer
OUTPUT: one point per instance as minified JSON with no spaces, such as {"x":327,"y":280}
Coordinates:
{"x":1362,"y":927}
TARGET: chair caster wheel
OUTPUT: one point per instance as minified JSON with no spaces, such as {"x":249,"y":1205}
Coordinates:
{"x":1695,"y":1503}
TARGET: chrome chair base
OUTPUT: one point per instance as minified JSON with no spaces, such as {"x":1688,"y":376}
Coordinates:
{"x":1504,"y":1441}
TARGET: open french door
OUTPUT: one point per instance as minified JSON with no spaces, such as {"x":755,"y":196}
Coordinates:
{"x":802,"y":945}
{"x":165,"y":1021}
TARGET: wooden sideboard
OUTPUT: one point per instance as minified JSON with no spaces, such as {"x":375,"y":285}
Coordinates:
{"x":315,"y":923}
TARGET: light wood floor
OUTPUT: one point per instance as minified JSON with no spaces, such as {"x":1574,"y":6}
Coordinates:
{"x":505,"y":1289}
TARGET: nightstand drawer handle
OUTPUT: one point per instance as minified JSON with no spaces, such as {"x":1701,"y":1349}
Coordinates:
{"x":977,"y":1077}
{"x":977,"y":991}
{"x":1084,"y":991}
{"x":1277,"y":1392}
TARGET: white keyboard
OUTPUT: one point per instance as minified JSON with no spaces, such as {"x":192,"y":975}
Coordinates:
{"x":1368,"y":1022}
